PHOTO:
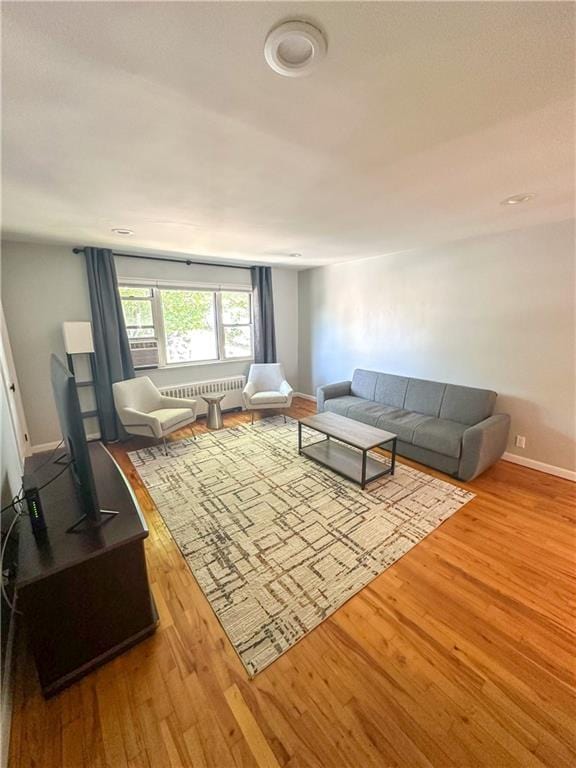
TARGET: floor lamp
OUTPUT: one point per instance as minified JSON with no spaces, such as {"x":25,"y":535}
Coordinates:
{"x":78,"y":341}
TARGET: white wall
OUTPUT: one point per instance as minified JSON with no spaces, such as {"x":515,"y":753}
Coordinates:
{"x":44,"y":285}
{"x":495,"y":312}
{"x":11,"y":467}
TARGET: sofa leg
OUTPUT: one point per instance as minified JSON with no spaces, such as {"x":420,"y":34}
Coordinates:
{"x":252,"y":415}
{"x":284,"y":418}
{"x":165,"y":446}
{"x":193,"y":433}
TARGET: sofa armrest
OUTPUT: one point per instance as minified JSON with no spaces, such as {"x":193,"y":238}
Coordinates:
{"x":329,"y":391}
{"x":483,"y":444}
{"x":178,"y":402}
{"x":130,"y":417}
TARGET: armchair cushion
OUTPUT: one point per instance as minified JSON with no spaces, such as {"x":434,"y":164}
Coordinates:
{"x":139,"y":423}
{"x":177,"y":402}
{"x":268,"y":398}
{"x":170,"y":418}
{"x":266,"y":376}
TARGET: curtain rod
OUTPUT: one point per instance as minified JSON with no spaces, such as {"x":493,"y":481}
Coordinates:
{"x":188,"y":262}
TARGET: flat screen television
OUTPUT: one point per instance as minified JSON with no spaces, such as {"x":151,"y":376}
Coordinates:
{"x":72,"y":427}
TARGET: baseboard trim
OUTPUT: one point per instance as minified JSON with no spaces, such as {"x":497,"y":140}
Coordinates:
{"x":549,"y":469}
{"x":540,"y":466}
{"x":305,"y":397}
{"x":43,"y":447}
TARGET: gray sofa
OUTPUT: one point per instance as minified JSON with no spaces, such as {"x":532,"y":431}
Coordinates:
{"x":448,"y":427}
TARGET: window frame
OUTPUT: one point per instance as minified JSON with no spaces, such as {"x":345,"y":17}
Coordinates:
{"x":156,"y":288}
{"x":221,"y":325}
{"x":150,"y":299}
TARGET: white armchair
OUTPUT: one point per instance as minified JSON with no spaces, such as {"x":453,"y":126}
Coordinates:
{"x":266,"y":388}
{"x":143,"y":410}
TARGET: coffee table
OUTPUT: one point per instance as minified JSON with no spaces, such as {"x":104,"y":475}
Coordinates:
{"x":337,"y":452}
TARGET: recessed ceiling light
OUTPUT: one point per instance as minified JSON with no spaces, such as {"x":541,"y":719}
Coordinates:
{"x":517,"y":199}
{"x":294,"y":255}
{"x":294,"y":48}
{"x":122,"y":231}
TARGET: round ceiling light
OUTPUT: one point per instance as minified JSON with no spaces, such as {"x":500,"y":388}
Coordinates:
{"x":294,"y":48}
{"x":517,"y":199}
{"x":122,"y":231}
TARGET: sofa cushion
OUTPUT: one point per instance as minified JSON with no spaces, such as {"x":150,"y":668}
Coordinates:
{"x":369,"y":412}
{"x":467,"y":405}
{"x":391,"y":390}
{"x":364,"y":383}
{"x":424,"y":397}
{"x":341,"y":405}
{"x":401,"y":423}
{"x":440,"y":435}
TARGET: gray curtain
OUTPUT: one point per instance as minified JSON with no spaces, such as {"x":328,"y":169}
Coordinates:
{"x":112,"y":351}
{"x":264,"y":331}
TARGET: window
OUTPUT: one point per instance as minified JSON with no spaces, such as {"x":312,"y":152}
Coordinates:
{"x":187,"y":325}
{"x":236,"y":314}
{"x":137,"y":305}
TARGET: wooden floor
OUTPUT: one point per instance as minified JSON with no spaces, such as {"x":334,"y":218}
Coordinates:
{"x":461,"y":654}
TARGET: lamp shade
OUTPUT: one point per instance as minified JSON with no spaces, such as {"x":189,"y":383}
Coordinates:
{"x":77,"y":338}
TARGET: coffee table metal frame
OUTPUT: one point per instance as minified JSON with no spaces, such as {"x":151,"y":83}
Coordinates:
{"x":363,"y":458}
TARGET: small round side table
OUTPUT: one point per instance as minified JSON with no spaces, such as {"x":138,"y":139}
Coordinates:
{"x":214,"y":416}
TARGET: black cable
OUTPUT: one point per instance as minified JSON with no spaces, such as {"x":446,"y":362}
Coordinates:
{"x":49,"y":459}
{"x":56,"y":476}
{"x":14,"y":501}
{"x":18,"y":499}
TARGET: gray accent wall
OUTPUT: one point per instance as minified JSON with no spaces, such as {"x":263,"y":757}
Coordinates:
{"x":495,"y":312}
{"x":44,"y":285}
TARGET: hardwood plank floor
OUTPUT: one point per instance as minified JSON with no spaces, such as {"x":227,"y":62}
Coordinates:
{"x":460,"y":654}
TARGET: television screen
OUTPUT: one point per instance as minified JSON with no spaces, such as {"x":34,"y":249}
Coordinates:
{"x":72,"y":426}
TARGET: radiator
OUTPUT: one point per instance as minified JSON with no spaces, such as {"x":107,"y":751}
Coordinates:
{"x":231,"y":386}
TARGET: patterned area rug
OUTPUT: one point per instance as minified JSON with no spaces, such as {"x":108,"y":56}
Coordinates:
{"x":277,"y":542}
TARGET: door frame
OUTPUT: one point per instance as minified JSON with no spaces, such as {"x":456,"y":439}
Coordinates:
{"x":11,"y":387}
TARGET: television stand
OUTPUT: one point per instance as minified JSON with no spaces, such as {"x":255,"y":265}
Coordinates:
{"x":84,"y":599}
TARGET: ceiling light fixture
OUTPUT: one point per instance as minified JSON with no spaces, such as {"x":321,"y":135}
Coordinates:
{"x":294,"y":48}
{"x":517,"y":199}
{"x":294,"y":255}
{"x":122,"y":231}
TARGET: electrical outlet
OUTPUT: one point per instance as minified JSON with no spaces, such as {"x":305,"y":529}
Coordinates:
{"x":520,"y":441}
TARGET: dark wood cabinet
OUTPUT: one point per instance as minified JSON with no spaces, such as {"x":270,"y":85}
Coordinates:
{"x":84,"y":596}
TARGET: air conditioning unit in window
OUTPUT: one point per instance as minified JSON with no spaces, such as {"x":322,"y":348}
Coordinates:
{"x":144,"y":353}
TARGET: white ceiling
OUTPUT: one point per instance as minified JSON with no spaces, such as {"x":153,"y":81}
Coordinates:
{"x":164,"y":118}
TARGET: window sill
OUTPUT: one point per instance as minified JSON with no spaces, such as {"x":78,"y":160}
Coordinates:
{"x":202,"y":363}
